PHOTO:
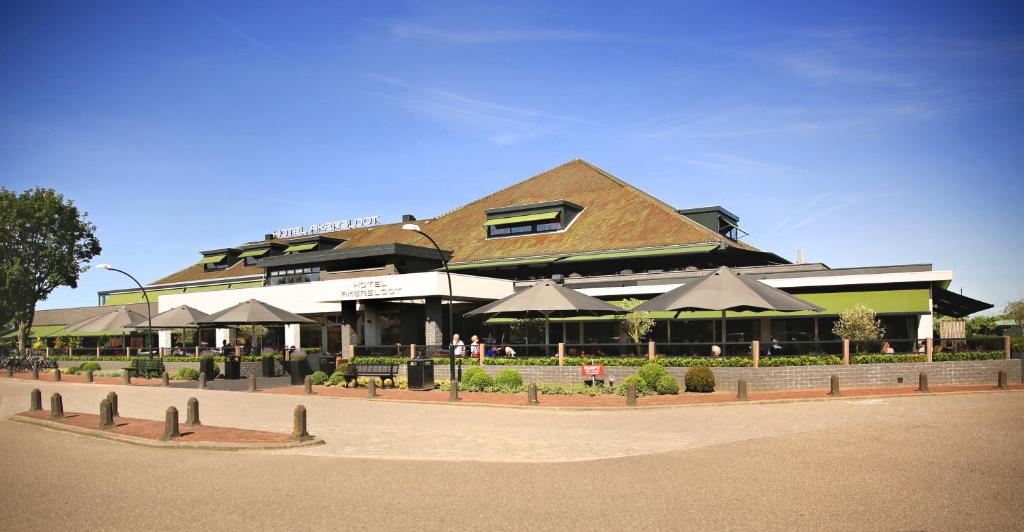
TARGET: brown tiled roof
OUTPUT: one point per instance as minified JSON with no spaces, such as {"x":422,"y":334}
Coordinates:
{"x":616,"y":216}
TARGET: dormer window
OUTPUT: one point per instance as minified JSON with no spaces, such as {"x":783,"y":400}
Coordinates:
{"x":716,"y":219}
{"x":253,"y":253}
{"x":311,"y":243}
{"x":218,"y":259}
{"x":534,"y":218}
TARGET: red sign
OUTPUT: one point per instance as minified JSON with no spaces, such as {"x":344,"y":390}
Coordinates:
{"x":593,"y":370}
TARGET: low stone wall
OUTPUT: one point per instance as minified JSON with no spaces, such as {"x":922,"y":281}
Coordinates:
{"x":793,"y":377}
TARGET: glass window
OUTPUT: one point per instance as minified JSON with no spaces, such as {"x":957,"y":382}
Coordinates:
{"x":553,"y":226}
{"x":524,"y":228}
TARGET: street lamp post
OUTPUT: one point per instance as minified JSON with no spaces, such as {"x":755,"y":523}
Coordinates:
{"x":451,"y":314}
{"x":149,"y":310}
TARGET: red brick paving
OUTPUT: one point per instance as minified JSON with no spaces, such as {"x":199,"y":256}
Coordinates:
{"x":153,"y":430}
{"x":48,"y":377}
{"x":616,"y":400}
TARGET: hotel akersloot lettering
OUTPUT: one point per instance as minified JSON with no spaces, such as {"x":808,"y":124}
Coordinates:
{"x":338,"y":225}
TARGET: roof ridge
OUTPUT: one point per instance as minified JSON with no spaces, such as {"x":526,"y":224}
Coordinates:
{"x":661,"y":204}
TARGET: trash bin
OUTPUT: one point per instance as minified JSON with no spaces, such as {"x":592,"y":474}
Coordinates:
{"x":420,"y":373}
{"x":206,"y":365}
{"x":297,"y":370}
{"x":232,"y":367}
{"x":268,"y":366}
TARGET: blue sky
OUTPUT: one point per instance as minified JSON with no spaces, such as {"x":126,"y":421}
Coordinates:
{"x":865,"y":133}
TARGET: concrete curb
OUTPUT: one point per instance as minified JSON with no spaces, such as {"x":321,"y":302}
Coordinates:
{"x":143,"y":442}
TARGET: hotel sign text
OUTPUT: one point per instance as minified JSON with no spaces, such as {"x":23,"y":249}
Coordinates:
{"x":371,"y":289}
{"x":315,"y":229}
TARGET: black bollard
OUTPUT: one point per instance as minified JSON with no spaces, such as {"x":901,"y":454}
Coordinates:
{"x":531,"y":394}
{"x":202,"y":380}
{"x":1001,"y":380}
{"x":372,"y":388}
{"x":922,"y":382}
{"x":56,"y":406}
{"x":453,"y":390}
{"x":299,"y":425}
{"x":307,"y":385}
{"x":171,"y":424}
{"x":106,"y":415}
{"x":35,"y":403}
{"x":166,"y":379}
{"x":834,"y":386}
{"x":88,"y":376}
{"x":35,"y":372}
{"x":192,"y":413}
{"x":56,"y":375}
{"x":252,"y":383}
{"x":112,"y":397}
{"x":741,"y":390}
{"x":126,"y":378}
{"x":631,"y":394}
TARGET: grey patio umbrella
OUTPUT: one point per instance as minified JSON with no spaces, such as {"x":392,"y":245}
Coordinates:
{"x":117,"y":321}
{"x":182,"y":317}
{"x":546,"y":299}
{"x":725,"y":290}
{"x":254,"y":312}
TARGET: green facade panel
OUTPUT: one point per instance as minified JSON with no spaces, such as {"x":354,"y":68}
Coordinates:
{"x":523,"y":218}
{"x":640,"y":253}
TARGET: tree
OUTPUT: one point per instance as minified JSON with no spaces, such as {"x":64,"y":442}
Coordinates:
{"x":1015,"y":311}
{"x":46,"y":243}
{"x":859,"y":324}
{"x":982,"y":325}
{"x":246,"y":332}
{"x":637,"y":324}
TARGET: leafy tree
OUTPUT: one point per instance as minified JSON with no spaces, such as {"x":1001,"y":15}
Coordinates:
{"x":980,"y":325}
{"x":1015,"y":311}
{"x":859,"y":324}
{"x":188,"y":335}
{"x":246,"y":332}
{"x":637,"y":324}
{"x":46,"y":242}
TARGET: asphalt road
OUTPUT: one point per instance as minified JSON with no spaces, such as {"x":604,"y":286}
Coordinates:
{"x":916,"y":463}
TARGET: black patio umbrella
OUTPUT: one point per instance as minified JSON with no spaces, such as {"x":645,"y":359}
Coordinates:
{"x":254,"y":312}
{"x":181,"y":317}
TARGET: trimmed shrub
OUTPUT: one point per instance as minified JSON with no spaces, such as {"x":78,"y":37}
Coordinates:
{"x":638,"y":380}
{"x":318,"y":377}
{"x":508,"y":378}
{"x":72,"y":370}
{"x":87,"y":366}
{"x":338,"y":377}
{"x":188,"y":374}
{"x":651,"y":373}
{"x":700,"y":379}
{"x":468,"y":373}
{"x":686,"y":362}
{"x":479,"y":381}
{"x":667,"y":385}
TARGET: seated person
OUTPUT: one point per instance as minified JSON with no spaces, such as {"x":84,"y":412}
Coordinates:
{"x":775,"y":348}
{"x":716,"y":351}
{"x":508,"y":351}
{"x":887,"y":349}
{"x":921,"y":347}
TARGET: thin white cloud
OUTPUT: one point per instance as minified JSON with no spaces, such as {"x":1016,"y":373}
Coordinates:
{"x":233,"y":29}
{"x":500,"y":123}
{"x":407,"y":31}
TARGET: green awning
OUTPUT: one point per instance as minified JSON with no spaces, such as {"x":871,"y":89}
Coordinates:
{"x":495,"y":264}
{"x":129,"y":298}
{"x":523,"y":218}
{"x":906,"y":301}
{"x":640,"y":253}
{"x":254,"y":253}
{"x":40,"y":331}
{"x":213,"y":259}
{"x":247,"y":284}
{"x":300,"y":247}
{"x":206,"y":288}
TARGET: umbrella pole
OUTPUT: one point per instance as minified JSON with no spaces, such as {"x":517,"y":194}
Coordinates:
{"x":723,"y":333}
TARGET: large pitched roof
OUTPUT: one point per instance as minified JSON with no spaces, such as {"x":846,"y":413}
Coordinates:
{"x":616,"y":216}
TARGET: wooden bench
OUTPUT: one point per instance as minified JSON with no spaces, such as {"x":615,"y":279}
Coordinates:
{"x":145,"y":367}
{"x":382,"y":371}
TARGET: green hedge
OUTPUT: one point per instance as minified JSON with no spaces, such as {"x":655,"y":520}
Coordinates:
{"x":968,"y":355}
{"x":718,"y":362}
{"x":887,"y":359}
{"x":775,"y":362}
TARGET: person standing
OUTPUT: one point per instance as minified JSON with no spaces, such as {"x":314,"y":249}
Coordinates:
{"x":474,"y":346}
{"x":458,"y":345}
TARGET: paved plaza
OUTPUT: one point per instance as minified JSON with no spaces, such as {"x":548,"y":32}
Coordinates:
{"x":918,"y":462}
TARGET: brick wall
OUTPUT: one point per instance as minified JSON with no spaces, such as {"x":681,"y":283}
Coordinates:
{"x":794,"y":377}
